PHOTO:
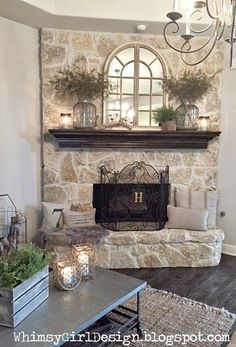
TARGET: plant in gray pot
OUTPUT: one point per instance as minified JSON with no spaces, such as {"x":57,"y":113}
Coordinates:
{"x":191,"y":87}
{"x":85,"y":87}
{"x":167,"y":117}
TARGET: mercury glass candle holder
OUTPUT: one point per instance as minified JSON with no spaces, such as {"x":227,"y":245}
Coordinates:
{"x":85,"y":255}
{"x":67,"y":274}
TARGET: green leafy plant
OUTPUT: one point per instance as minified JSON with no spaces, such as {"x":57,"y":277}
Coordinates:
{"x":21,"y":264}
{"x":166,"y":114}
{"x":190,"y":87}
{"x":85,"y":86}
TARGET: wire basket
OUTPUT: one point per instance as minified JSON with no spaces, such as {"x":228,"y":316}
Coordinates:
{"x":85,"y":255}
{"x":67,"y":274}
{"x":13,"y":225}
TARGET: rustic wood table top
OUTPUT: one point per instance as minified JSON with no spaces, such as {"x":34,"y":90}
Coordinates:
{"x":72,"y":311}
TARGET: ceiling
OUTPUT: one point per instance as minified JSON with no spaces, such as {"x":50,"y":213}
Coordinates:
{"x":90,"y":15}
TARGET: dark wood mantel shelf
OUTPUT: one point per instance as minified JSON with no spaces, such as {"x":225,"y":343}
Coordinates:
{"x":90,"y":138}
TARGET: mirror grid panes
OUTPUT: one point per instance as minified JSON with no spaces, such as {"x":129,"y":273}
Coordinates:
{"x":135,"y":73}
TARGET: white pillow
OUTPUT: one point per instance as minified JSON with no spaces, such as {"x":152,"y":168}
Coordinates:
{"x":76,"y":219}
{"x":186,"y":218}
{"x":51,"y":217}
{"x":185,"y":197}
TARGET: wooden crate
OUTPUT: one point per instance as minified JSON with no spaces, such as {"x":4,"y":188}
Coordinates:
{"x":17,"y":303}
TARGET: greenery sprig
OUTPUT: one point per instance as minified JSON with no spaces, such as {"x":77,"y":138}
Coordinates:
{"x":85,"y":86}
{"x":166,"y":114}
{"x":21,"y":264}
{"x":190,"y":87}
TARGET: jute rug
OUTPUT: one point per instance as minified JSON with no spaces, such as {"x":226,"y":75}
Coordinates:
{"x":167,"y":317}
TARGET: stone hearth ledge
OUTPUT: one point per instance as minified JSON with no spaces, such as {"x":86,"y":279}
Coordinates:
{"x":163,"y":248}
{"x":151,"y":249}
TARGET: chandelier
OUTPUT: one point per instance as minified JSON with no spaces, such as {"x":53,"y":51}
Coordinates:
{"x":217,"y":21}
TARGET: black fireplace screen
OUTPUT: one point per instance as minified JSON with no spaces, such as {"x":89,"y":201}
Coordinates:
{"x":134,"y":198}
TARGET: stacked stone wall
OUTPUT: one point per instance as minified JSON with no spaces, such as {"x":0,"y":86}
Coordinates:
{"x":68,"y":175}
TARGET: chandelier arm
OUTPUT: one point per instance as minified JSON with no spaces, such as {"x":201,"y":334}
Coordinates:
{"x":170,"y":23}
{"x":221,"y":30}
{"x":218,"y":13}
{"x":198,"y":19}
{"x":232,"y":33}
{"x":233,"y":22}
{"x":174,"y":32}
{"x":209,"y":12}
{"x":202,"y":59}
{"x":194,"y":50}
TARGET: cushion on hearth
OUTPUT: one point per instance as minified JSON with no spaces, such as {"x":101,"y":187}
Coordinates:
{"x":183,"y":196}
{"x":186,"y":218}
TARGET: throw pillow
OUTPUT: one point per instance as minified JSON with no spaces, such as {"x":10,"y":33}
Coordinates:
{"x":52,"y":214}
{"x":187,"y":198}
{"x":172,"y":193}
{"x":186,"y":218}
{"x":74,"y":219}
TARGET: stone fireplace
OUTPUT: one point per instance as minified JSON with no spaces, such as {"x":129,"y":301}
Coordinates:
{"x":69,"y":173}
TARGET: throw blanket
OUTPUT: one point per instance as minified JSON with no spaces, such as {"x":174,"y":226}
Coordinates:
{"x":69,"y":236}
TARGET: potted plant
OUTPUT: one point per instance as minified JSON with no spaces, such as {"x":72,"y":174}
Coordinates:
{"x":85,"y":87}
{"x":167,"y":117}
{"x":191,"y":87}
{"x":23,"y":283}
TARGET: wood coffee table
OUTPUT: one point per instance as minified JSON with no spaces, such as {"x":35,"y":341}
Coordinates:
{"x":75,"y":311}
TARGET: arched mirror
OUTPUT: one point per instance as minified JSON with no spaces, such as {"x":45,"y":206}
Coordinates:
{"x":136,"y":73}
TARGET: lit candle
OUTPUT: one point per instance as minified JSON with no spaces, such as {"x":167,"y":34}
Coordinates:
{"x":175,"y":5}
{"x":65,"y":120}
{"x":83,"y":259}
{"x":67,"y":274}
{"x":203,"y":123}
{"x":85,"y":256}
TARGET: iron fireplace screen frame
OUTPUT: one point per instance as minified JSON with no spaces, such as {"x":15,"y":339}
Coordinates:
{"x":134,"y":198}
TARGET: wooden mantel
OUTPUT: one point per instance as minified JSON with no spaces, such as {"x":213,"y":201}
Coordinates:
{"x":90,"y":138}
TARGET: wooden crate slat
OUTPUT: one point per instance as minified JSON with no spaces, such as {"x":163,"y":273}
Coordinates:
{"x":30,"y":282}
{"x":22,"y":314}
{"x":19,"y":302}
{"x":29,"y":295}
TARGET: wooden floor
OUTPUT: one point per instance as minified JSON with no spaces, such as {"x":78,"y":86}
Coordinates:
{"x":215,"y":286}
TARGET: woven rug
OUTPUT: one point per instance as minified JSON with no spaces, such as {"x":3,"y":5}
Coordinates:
{"x":166,"y":315}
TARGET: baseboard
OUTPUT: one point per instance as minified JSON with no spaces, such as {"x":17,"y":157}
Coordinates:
{"x":229,"y":249}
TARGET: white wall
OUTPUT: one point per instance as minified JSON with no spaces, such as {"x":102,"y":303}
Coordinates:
{"x":20,"y":118}
{"x":134,"y":9}
{"x":46,"y":5}
{"x":227,"y":158}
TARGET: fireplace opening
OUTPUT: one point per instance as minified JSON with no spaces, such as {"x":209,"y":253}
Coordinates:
{"x":134,"y":198}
